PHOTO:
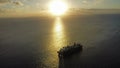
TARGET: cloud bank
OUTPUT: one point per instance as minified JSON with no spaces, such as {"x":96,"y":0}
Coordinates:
{"x":18,"y":3}
{"x":4,"y":2}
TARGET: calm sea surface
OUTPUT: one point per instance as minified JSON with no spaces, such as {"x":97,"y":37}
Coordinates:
{"x":33,"y":42}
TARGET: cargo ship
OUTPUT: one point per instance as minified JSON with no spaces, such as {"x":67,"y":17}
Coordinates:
{"x":69,"y":50}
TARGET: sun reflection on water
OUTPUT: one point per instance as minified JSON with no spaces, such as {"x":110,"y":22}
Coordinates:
{"x":57,"y":40}
{"x":58,"y":25}
{"x":58,"y":33}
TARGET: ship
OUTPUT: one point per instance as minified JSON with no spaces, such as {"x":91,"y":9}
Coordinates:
{"x":69,"y":50}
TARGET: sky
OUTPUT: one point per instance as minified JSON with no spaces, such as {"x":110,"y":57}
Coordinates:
{"x":26,"y":6}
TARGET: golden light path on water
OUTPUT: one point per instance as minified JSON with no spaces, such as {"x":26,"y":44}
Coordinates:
{"x":58,"y":40}
{"x":59,"y":34}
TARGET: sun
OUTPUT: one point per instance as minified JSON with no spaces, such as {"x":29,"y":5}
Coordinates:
{"x":58,"y":8}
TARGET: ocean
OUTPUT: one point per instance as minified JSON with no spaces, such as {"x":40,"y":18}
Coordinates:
{"x":33,"y":42}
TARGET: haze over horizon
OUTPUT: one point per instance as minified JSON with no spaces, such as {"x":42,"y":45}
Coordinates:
{"x":24,"y":7}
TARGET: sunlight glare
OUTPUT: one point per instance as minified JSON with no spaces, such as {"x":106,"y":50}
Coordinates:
{"x":58,"y":8}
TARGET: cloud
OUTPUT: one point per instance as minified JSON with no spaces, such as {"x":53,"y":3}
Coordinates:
{"x":19,"y":3}
{"x":1,"y":10}
{"x":92,"y":1}
{"x":2,"y":2}
{"x":84,"y":2}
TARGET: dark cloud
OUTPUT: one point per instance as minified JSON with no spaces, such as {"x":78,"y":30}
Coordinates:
{"x":18,"y":3}
{"x":1,"y":10}
{"x":4,"y":1}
